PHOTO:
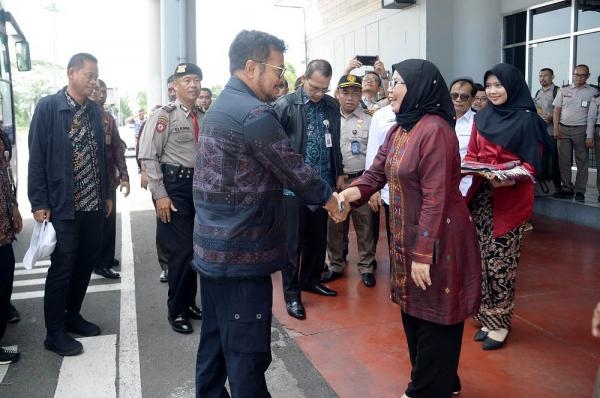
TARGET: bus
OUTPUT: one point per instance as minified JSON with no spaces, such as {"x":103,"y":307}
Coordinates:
{"x":9,"y":33}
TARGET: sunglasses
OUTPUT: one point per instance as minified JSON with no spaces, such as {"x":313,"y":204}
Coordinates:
{"x":463,"y":97}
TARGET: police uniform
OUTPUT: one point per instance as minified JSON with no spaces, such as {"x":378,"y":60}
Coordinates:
{"x":593,"y":130}
{"x":544,"y":97}
{"x":574,"y":103}
{"x":168,"y":149}
{"x":354,"y":137}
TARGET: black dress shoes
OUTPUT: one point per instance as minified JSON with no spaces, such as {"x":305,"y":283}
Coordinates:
{"x":108,"y":273}
{"x":13,"y":314}
{"x":62,"y":344}
{"x":491,"y":344}
{"x":368,"y":279}
{"x":295,"y":309}
{"x":320,"y":289}
{"x":330,"y":276}
{"x":78,"y":325}
{"x":564,"y":194}
{"x":116,"y":263}
{"x":194,"y":312}
{"x":180,"y":324}
{"x":164,"y":276}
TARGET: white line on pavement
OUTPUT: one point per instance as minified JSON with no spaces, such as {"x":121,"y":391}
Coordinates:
{"x":41,"y":281}
{"x":130,"y":383}
{"x":91,"y":289}
{"x":37,"y":264}
{"x":93,"y":372}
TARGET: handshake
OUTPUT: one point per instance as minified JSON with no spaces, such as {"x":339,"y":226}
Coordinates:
{"x":337,"y":207}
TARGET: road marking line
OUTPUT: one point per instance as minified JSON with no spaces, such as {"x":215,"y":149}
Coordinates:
{"x":41,"y":281}
{"x":91,"y":289}
{"x":4,"y":368}
{"x":130,"y":383}
{"x":37,"y":264}
{"x":25,"y":272}
{"x":94,"y":371}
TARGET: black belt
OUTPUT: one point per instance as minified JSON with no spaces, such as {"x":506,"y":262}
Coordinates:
{"x":354,"y":175}
{"x":566,"y":125}
{"x":172,"y":172}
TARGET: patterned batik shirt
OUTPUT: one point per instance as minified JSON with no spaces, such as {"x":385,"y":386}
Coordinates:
{"x":85,"y":159}
{"x":317,"y":155}
{"x":7,"y":196}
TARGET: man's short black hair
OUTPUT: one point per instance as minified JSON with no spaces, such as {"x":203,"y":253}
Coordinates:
{"x":77,"y":60}
{"x":207,"y":90}
{"x":101,"y":83}
{"x":318,"y":65}
{"x":372,"y":72}
{"x":252,"y":45}
{"x":479,"y":87}
{"x":171,"y":79}
{"x":583,"y":66}
{"x":547,"y":70}
{"x":464,"y":80}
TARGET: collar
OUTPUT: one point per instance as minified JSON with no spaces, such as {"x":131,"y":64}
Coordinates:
{"x":580,"y":88}
{"x":550,"y":87}
{"x":468,"y":116}
{"x":238,"y":84}
{"x":184,"y":108}
{"x":356,"y":113}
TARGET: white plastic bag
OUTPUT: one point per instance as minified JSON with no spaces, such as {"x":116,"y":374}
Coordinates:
{"x":43,"y":241}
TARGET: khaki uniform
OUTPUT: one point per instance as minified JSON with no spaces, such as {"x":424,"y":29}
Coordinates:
{"x":545,"y":98}
{"x":354,"y":137}
{"x":574,"y":104}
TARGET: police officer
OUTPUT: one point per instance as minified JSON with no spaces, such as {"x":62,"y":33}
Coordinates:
{"x":168,"y":151}
{"x":354,"y":136}
{"x":570,"y":124}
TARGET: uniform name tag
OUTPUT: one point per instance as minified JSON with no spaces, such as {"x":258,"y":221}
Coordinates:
{"x":328,"y":142}
{"x":584,"y":104}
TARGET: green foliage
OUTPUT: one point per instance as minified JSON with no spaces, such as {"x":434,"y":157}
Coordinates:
{"x":290,"y":75}
{"x":142,"y":100}
{"x":124,"y":107}
{"x":215,"y":90}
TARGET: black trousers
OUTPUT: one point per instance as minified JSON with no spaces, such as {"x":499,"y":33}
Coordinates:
{"x":161,"y":252}
{"x":307,"y":243}
{"x":109,"y":234}
{"x":7,"y":274}
{"x":177,"y":237}
{"x":434,"y":351}
{"x":235,"y":339}
{"x":76,"y":252}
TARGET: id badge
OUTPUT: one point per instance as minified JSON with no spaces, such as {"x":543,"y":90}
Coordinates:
{"x":355,"y":145}
{"x":584,"y":104}
{"x":328,"y":142}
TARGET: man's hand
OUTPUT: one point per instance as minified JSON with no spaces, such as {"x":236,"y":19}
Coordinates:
{"x":420,"y":274}
{"x":340,"y":183}
{"x":109,"y":207}
{"x":17,"y":219}
{"x":42,"y":214}
{"x":337,"y":208}
{"x":557,"y":133}
{"x":596,"y":321}
{"x":353,"y":64}
{"x":124,"y":185}
{"x":164,"y":207}
{"x":375,"y":201}
{"x":589,"y":142}
{"x":380,"y":70}
{"x":144,"y":178}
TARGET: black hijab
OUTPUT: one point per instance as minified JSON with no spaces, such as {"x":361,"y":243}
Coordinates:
{"x":514,"y":125}
{"x":426,"y":92}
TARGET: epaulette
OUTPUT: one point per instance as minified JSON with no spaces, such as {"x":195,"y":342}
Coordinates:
{"x":170,"y":107}
{"x":369,"y":112}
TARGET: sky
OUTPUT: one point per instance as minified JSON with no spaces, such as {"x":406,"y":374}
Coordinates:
{"x":115,"y":31}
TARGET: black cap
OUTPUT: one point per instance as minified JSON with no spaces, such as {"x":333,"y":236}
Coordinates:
{"x":350,"y":81}
{"x":187,"y":69}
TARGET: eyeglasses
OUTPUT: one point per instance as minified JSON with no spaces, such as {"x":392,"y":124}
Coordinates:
{"x":370,"y":80}
{"x":480,"y":99}
{"x":281,"y":69}
{"x":581,"y":74}
{"x":463,"y":97}
{"x":393,"y":83}
{"x":317,"y":89}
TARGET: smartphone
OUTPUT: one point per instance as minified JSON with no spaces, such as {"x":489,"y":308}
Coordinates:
{"x":368,"y":60}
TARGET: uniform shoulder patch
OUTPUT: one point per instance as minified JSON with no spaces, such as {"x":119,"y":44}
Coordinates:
{"x":162,"y":121}
{"x":369,"y":112}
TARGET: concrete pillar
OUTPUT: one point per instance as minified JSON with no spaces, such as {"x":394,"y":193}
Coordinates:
{"x":155,"y":80}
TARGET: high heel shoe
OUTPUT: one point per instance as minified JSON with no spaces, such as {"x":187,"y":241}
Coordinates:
{"x":491,"y":343}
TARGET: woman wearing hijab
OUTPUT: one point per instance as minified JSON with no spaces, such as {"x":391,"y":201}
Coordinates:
{"x":435,"y":261}
{"x":508,"y":129}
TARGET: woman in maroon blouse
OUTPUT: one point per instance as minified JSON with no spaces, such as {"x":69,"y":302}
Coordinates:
{"x":508,"y":129}
{"x":435,"y":259}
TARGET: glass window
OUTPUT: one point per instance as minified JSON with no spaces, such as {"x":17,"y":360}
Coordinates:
{"x":515,"y":56}
{"x":587,"y":53}
{"x":551,"y":20}
{"x":588,"y":14}
{"x":551,"y":54}
{"x":514,"y":28}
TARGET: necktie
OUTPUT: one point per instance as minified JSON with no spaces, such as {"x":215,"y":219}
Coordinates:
{"x":196,"y":125}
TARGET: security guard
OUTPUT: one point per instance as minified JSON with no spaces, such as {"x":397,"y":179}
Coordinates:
{"x":570,"y":124}
{"x":354,"y":136}
{"x":168,"y":151}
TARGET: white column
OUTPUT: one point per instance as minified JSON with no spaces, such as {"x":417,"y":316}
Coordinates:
{"x":155,"y":79}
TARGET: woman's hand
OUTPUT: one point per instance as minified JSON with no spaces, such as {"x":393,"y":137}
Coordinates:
{"x":504,"y":183}
{"x":420,"y":274}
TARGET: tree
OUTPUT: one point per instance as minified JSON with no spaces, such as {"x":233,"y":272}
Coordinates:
{"x":216,"y":90}
{"x":290,"y":75}
{"x":124,"y":107}
{"x":142,"y":100}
